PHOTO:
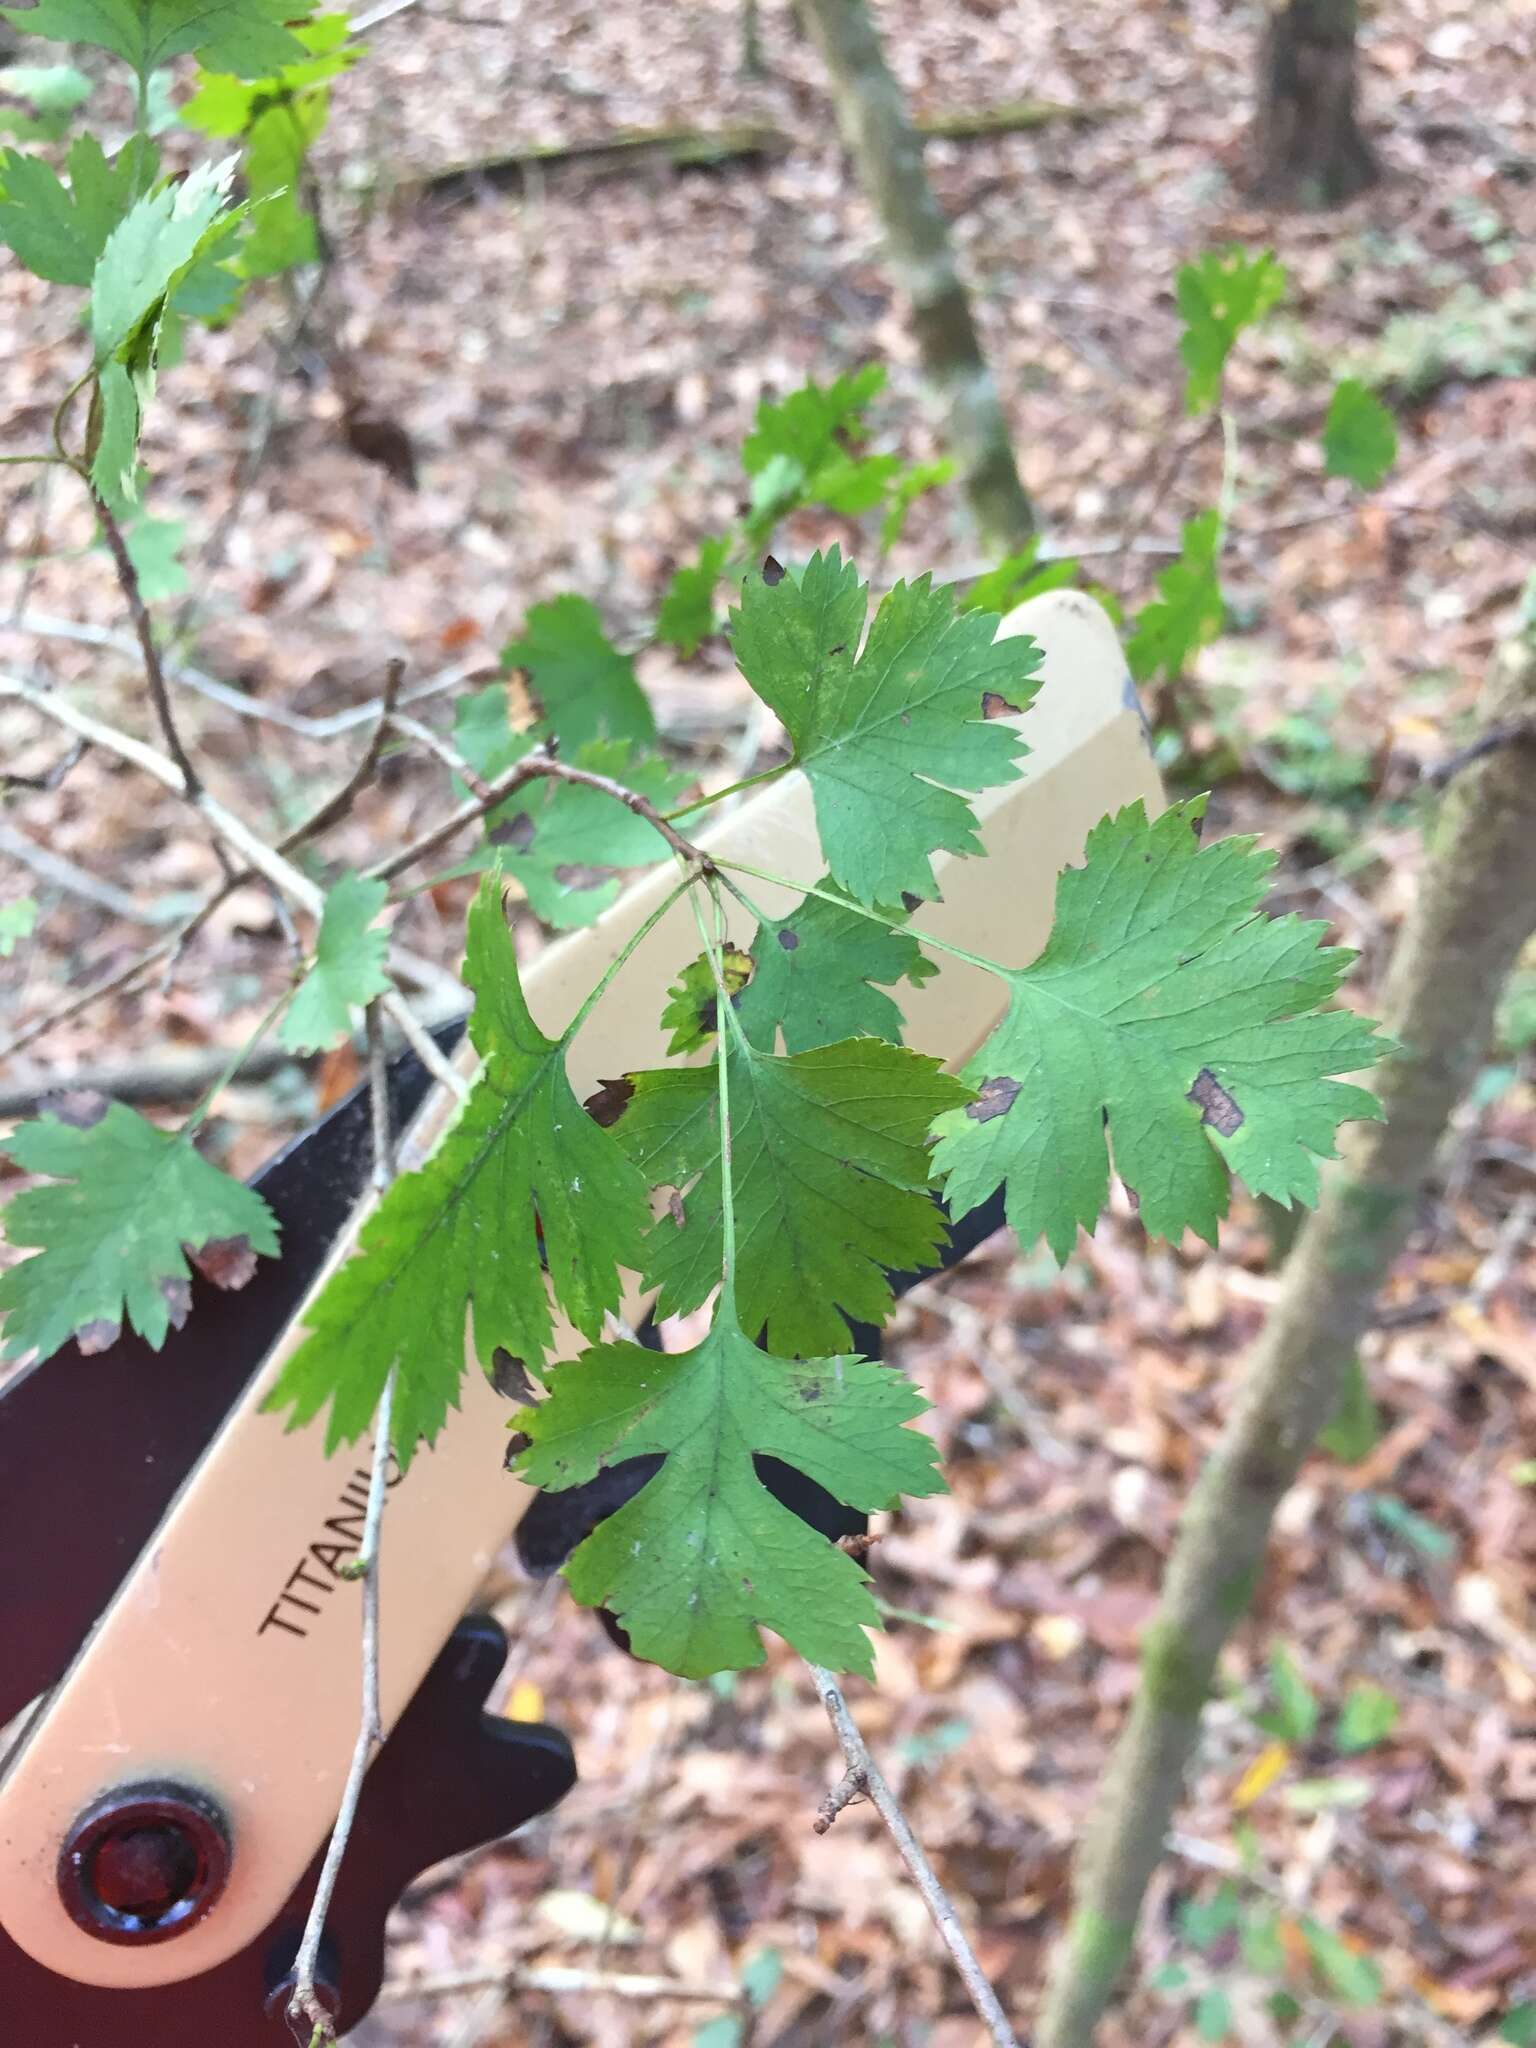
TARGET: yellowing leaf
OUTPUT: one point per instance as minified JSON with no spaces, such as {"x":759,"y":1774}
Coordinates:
{"x":1269,"y":1765}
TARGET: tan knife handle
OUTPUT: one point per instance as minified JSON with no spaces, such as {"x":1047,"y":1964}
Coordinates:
{"x":227,"y":1661}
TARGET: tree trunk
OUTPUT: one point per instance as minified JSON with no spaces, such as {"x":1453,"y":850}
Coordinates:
{"x":1476,"y":904}
{"x":889,"y":154}
{"x":1308,"y":146}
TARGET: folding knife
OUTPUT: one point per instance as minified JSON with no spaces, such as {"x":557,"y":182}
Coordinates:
{"x":180,"y":1641}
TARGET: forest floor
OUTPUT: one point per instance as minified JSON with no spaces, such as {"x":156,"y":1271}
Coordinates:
{"x":574,"y":364}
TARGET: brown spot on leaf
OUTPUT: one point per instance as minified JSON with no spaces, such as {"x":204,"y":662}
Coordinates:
{"x":1217,"y":1107}
{"x":995,"y":1097}
{"x":93,"y":1338}
{"x":610,"y":1101}
{"x":576,"y":875}
{"x":229,"y":1262}
{"x":518,"y":833}
{"x":178,"y":1299}
{"x":509,"y":1376}
{"x":789,"y":941}
{"x":773,"y":570}
{"x":995,"y":706}
{"x":81,"y":1107}
{"x":675,"y":1208}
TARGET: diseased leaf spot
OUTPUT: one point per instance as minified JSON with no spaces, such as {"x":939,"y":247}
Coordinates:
{"x":509,"y":1376}
{"x":577,"y":875}
{"x":610,"y":1101}
{"x":96,"y":1337}
{"x":789,"y":940}
{"x":773,"y":570}
{"x":995,"y":1098}
{"x":675,"y":1207}
{"x":229,"y":1262}
{"x":81,"y":1108}
{"x":178,"y":1299}
{"x":995,"y":706}
{"x":519,"y":833}
{"x":1217,"y":1107}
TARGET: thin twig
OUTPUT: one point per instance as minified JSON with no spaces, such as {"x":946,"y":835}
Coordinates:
{"x":40,"y":626}
{"x":570,"y":1982}
{"x":1514,"y":732}
{"x":305,"y":2004}
{"x":76,"y":881}
{"x":540,"y":765}
{"x":183,"y":1077}
{"x":154,"y":674}
{"x":225,"y":824}
{"x":451,"y":758}
{"x":50,"y":778}
{"x":336,"y":807}
{"x":863,"y":1768}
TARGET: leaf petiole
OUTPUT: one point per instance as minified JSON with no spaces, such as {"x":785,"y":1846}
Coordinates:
{"x":727,"y":1191}
{"x":891,"y":924}
{"x":630,"y":945}
{"x":718,"y":796}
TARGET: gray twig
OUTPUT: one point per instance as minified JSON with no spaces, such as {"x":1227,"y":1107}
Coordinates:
{"x":865,"y":1775}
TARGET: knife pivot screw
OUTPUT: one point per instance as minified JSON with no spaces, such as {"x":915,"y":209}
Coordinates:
{"x":144,"y":1863}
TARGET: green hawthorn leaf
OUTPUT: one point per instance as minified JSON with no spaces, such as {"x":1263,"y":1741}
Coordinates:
{"x":1164,"y":1005}
{"x":155,"y":241}
{"x":463,"y":1233}
{"x":1368,"y":1716}
{"x":830,"y":1176}
{"x":347,"y":970}
{"x":53,"y":91}
{"x":704,"y":1557}
{"x":246,"y":36}
{"x":820,"y":974}
{"x":125,"y":1204}
{"x":115,"y":421}
{"x":1359,"y":435}
{"x":154,"y":548}
{"x":693,"y":1001}
{"x":886,"y":736}
{"x":18,"y":920}
{"x":1518,"y":2026}
{"x":588,"y":689}
{"x":905,"y":492}
{"x":279,"y":118}
{"x":806,"y":425}
{"x":282,"y":233}
{"x":1353,"y":1978}
{"x":1016,"y":578}
{"x":1170,"y":630}
{"x":1295,"y":1712}
{"x":1218,"y":296}
{"x":225,"y":105}
{"x":59,"y":231}
{"x":687,"y":614}
{"x":482,"y":732}
{"x":567,"y":847}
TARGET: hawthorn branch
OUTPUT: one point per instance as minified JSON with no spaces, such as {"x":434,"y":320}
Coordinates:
{"x":865,"y":1776}
{"x":154,"y":674}
{"x":540,"y":765}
